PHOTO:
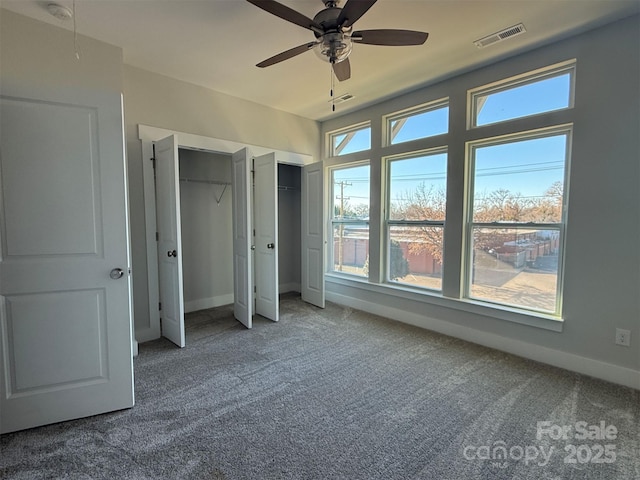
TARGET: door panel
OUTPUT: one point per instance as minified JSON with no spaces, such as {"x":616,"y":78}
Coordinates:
{"x":169,"y":239}
{"x":242,"y":238}
{"x":40,"y":355}
{"x":312,"y":235}
{"x":66,"y":337}
{"x":265,"y":216}
{"x":72,"y":185}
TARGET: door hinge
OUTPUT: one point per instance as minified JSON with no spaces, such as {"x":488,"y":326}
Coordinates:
{"x":157,"y":237}
{"x":160,"y":306}
{"x":254,"y":289}
{"x":153,"y":159}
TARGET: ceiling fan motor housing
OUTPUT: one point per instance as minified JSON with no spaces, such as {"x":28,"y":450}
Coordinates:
{"x":335,"y":44}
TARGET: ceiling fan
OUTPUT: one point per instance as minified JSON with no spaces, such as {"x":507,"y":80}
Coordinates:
{"x":333,"y":29}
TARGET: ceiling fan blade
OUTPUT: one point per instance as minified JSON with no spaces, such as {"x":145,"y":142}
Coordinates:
{"x":286,"y":13}
{"x":397,"y":38}
{"x":342,"y":70}
{"x":286,"y":55}
{"x":353,"y":10}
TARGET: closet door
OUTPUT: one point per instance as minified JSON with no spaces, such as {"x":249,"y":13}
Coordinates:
{"x":242,"y":238}
{"x":312,"y":235}
{"x":169,"y":239}
{"x":265,"y":214}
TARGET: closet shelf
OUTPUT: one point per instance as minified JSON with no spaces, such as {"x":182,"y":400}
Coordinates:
{"x":284,"y":187}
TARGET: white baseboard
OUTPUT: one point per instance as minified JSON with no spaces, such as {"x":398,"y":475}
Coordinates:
{"x":211,"y":302}
{"x":288,"y":287}
{"x":575,"y":363}
{"x":146,"y":334}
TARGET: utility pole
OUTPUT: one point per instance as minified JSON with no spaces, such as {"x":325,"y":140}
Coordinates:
{"x":342,"y":184}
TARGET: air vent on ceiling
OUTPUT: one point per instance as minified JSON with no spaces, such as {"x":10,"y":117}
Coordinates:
{"x":342,"y":98}
{"x":500,"y":36}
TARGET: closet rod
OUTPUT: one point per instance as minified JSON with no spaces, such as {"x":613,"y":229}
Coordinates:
{"x":211,"y":182}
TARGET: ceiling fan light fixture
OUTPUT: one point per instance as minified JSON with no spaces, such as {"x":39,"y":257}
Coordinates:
{"x":334,"y":47}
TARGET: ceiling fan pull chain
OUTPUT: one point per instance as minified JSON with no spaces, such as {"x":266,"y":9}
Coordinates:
{"x":75,"y":32}
{"x":333,"y":102}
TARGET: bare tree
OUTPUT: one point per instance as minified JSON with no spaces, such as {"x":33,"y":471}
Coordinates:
{"x":423,"y":203}
{"x":501,"y":205}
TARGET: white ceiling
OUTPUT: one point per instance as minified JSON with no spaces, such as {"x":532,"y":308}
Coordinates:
{"x":216,"y":43}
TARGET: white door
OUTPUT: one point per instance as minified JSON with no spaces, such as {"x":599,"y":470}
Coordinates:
{"x":312,"y":235}
{"x":242,"y":238}
{"x":265,"y":215}
{"x":65,"y":318}
{"x":169,"y":239}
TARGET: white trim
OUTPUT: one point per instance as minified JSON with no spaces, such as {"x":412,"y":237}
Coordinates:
{"x":210,"y":302}
{"x":198,"y":142}
{"x":575,"y":363}
{"x":499,"y":312}
{"x":147,"y":135}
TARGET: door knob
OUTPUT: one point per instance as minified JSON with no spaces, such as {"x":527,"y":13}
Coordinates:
{"x":172,"y":253}
{"x":116,"y":273}
{"x":271,"y":245}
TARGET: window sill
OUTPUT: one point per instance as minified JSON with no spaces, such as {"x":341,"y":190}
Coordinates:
{"x":531,"y":319}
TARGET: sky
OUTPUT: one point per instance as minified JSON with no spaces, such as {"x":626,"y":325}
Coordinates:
{"x":527,"y":167}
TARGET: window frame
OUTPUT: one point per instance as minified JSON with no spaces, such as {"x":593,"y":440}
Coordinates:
{"x":331,"y":148}
{"x":516,"y":81}
{"x":460,"y":133}
{"x":467,"y":260}
{"x":411,"y":112}
{"x":388,"y":223}
{"x":333,"y":221}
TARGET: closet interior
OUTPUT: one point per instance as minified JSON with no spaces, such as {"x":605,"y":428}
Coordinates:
{"x":206,"y":228}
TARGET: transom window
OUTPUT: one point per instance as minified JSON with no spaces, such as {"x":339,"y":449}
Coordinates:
{"x":353,"y":139}
{"x":420,"y":122}
{"x":536,"y":92}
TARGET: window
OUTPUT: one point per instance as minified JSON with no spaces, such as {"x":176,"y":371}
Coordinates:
{"x":533,"y":93}
{"x":422,"y":122}
{"x":350,"y":140}
{"x":498,"y":244}
{"x":350,"y":219}
{"x":517,"y":218}
{"x":416,"y":201}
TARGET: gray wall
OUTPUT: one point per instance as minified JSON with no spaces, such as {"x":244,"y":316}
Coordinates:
{"x":602,"y":271}
{"x":207,"y":242}
{"x":37,"y":54}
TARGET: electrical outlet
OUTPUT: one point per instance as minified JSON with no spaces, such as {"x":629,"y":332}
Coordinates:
{"x":623,"y":337}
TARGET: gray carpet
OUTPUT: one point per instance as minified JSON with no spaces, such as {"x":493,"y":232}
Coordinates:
{"x":336,"y":394}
